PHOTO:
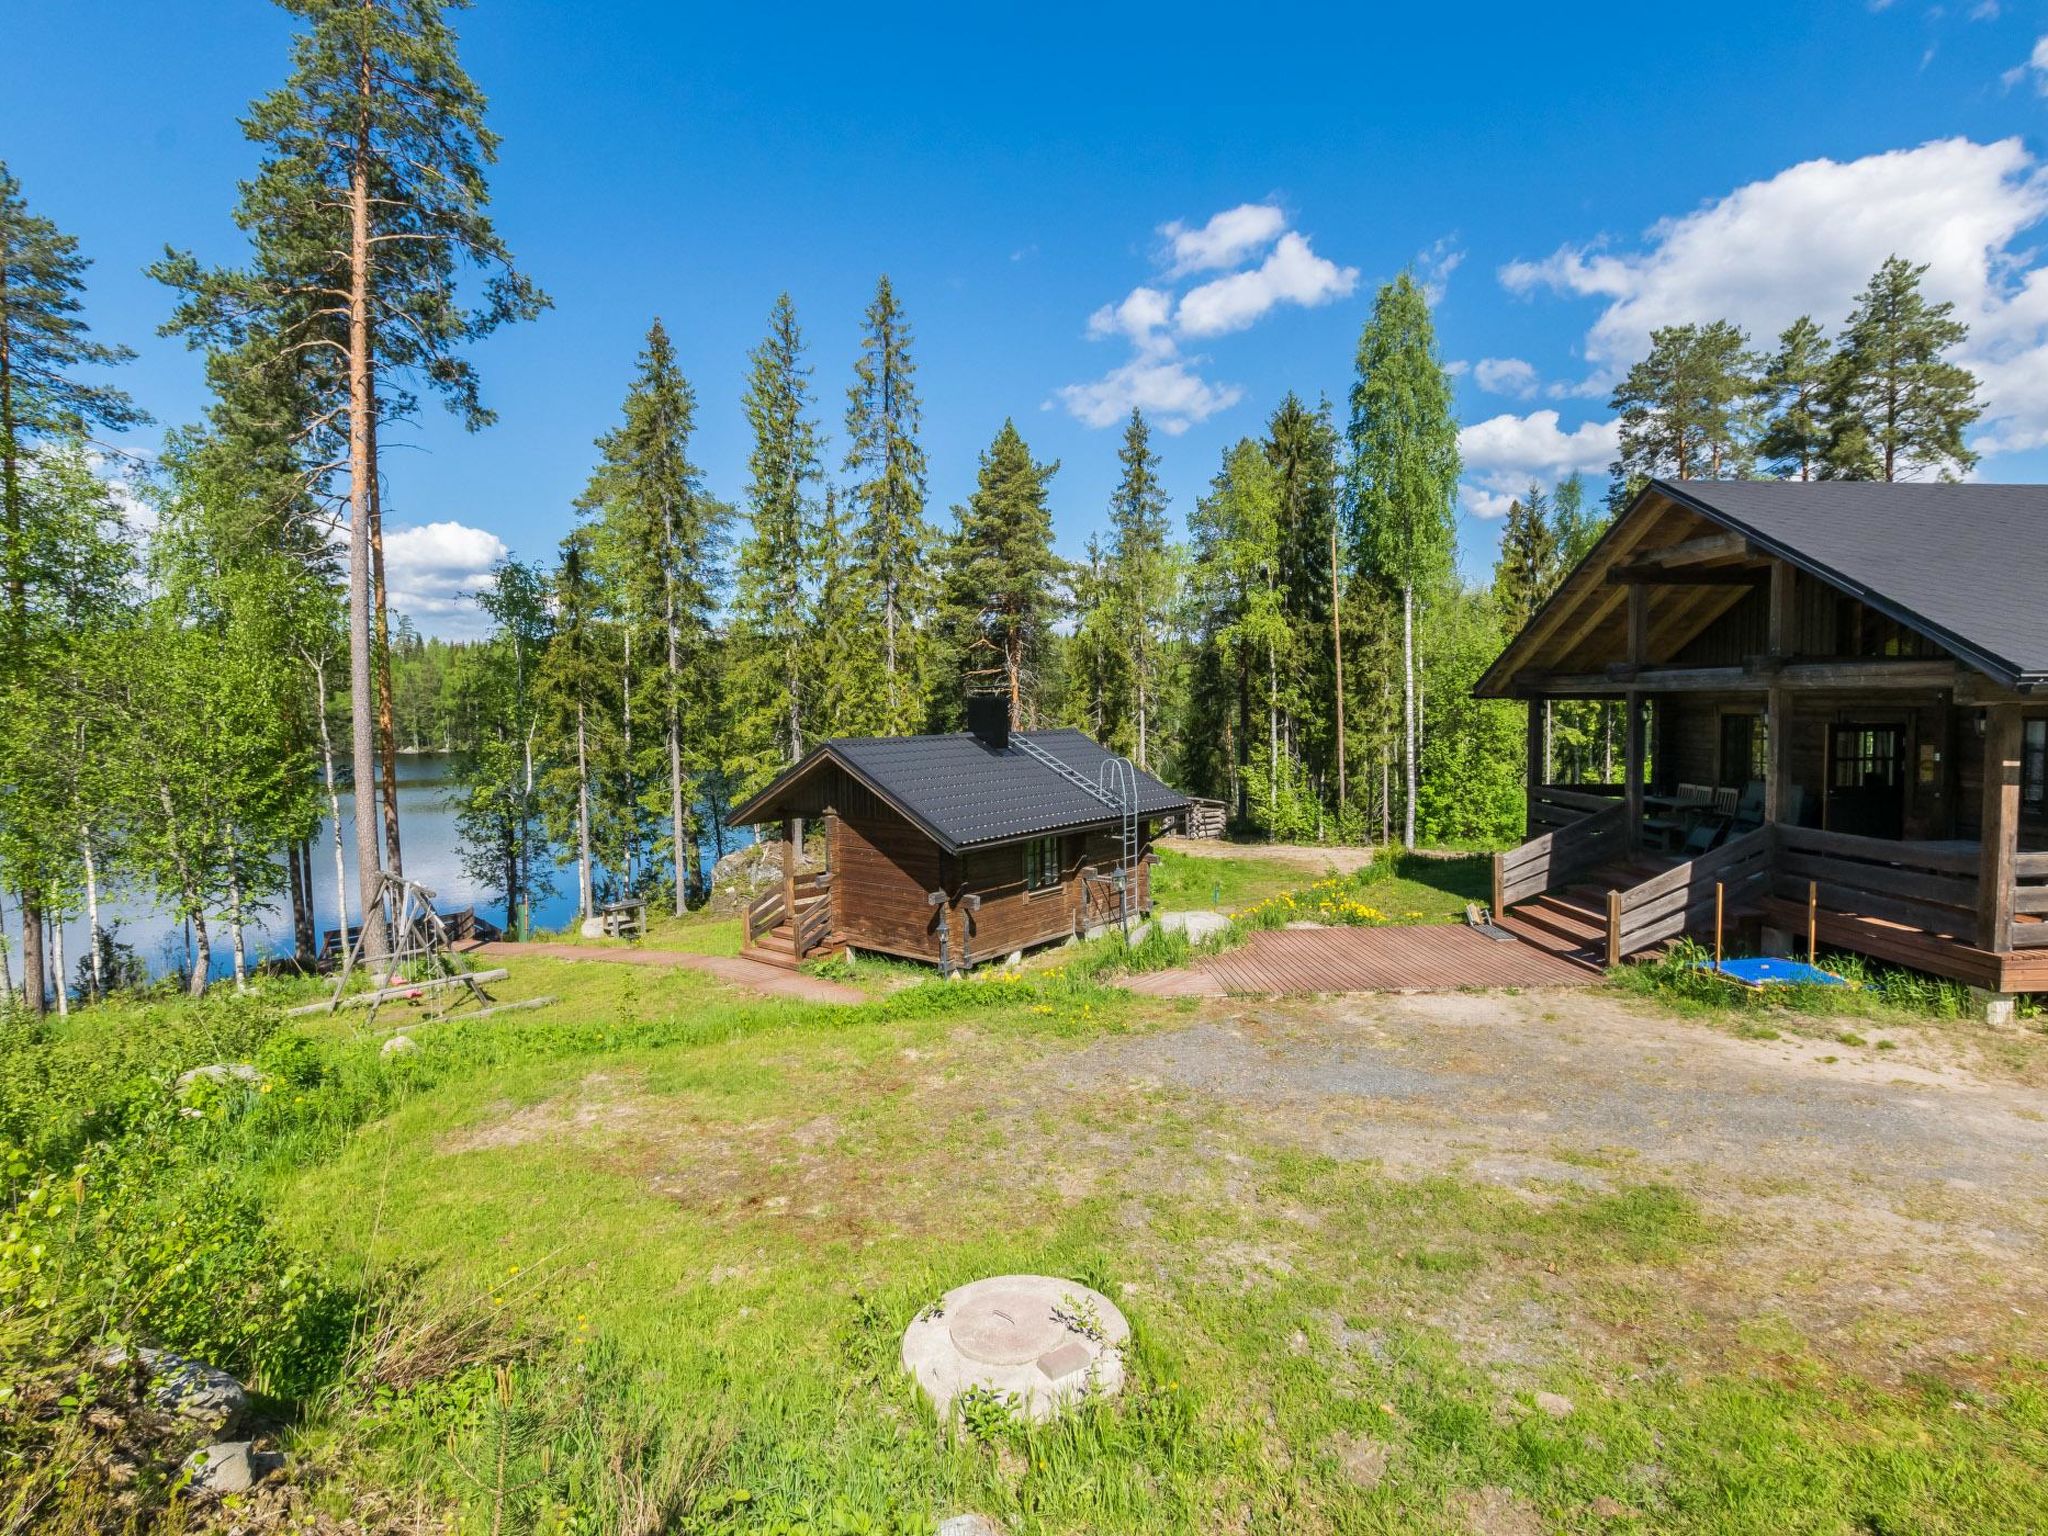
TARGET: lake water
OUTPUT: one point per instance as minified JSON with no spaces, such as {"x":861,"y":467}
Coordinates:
{"x":426,"y":823}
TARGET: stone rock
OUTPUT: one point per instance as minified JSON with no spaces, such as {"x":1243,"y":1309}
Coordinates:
{"x":969,"y":1525}
{"x":218,"y":1072}
{"x":1035,"y":1343}
{"x":1196,"y":925}
{"x":400,"y":1045}
{"x":593,"y":928}
{"x":232,"y":1466}
{"x":209,"y":1398}
{"x":747,"y":872}
{"x":1556,"y":1406}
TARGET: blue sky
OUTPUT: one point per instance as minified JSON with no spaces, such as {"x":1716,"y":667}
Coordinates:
{"x":1085,"y":206}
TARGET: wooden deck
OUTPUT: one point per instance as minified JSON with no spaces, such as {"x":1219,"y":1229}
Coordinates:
{"x":1437,"y":957}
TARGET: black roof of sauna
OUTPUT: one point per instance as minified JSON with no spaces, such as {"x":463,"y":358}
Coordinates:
{"x":964,"y":792}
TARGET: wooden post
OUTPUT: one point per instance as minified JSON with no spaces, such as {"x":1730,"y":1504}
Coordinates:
{"x":1533,"y":743}
{"x":1813,"y":922}
{"x":1999,"y":828}
{"x":1717,"y":924}
{"x":1632,"y":770}
{"x":1499,"y":886}
{"x":1613,"y":929}
{"x":1777,"y":755}
{"x":1638,"y":625}
{"x":790,"y":824}
{"x":1784,"y":616}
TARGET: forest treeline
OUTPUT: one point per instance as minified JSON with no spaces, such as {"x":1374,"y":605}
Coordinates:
{"x":201,"y":656}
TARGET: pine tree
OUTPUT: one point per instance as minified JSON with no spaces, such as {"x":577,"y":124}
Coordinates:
{"x":1141,"y":586}
{"x":892,"y":539}
{"x":1794,"y":391}
{"x":1402,"y":480}
{"x":1897,"y":406}
{"x":370,"y":201}
{"x":1687,"y":411}
{"x":1000,"y":599}
{"x":1577,"y":528}
{"x":45,"y":353}
{"x":660,"y":542}
{"x":1528,"y":566}
{"x":576,"y":676}
{"x":779,"y":563}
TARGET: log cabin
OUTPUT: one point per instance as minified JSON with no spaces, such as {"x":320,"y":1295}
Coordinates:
{"x":956,"y":849}
{"x":1832,"y":700}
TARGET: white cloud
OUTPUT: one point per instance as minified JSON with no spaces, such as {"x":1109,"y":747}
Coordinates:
{"x":1154,"y":319}
{"x":1232,"y":236}
{"x":1141,"y":317}
{"x":1166,"y":389}
{"x":1807,"y":239}
{"x":2036,"y":65}
{"x":1504,"y":453}
{"x":1505,"y":376}
{"x":1290,"y":274}
{"x":434,"y":568}
{"x":1435,"y":265}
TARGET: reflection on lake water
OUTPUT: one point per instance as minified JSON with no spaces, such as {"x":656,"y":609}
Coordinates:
{"x":431,"y":845}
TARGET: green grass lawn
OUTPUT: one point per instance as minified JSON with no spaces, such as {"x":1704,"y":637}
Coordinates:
{"x":1432,"y":889}
{"x":642,"y":1260}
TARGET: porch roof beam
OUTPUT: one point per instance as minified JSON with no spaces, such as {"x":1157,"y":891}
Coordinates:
{"x":1800,"y":676}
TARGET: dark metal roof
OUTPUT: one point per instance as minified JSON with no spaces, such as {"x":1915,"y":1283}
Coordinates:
{"x":965,"y":793}
{"x":1964,"y":564}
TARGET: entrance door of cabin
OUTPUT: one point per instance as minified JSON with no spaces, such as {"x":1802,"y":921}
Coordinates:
{"x":1867,"y":780}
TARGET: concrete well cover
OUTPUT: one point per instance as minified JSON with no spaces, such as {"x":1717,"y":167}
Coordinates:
{"x":1040,"y":1342}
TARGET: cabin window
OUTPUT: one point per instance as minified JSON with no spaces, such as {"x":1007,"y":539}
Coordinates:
{"x":1041,"y":864}
{"x":2034,"y":768}
{"x":1745,"y":749}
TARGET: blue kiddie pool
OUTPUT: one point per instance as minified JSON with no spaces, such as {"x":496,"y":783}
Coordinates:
{"x":1762,"y":972}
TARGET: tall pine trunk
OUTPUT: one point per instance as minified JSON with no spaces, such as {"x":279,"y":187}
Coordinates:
{"x":6,"y":969}
{"x":674,"y":664}
{"x":387,"y":734}
{"x":1410,"y":734}
{"x":585,"y":887}
{"x":362,"y":407}
{"x":1337,"y":657}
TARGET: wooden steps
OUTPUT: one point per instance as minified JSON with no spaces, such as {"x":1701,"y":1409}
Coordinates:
{"x":1571,"y":923}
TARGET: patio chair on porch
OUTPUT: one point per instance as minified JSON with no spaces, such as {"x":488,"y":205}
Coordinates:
{"x":1749,"y":811}
{"x":1705,"y":836}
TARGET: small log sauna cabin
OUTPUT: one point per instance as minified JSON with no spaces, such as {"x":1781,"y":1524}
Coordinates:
{"x":956,"y":849}
{"x":1831,"y":703}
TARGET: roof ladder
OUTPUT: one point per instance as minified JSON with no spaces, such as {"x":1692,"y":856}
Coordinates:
{"x":1116,"y":786}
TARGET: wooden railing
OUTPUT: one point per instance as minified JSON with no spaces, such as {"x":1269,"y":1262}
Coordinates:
{"x":1595,"y":833}
{"x":2030,"y":901}
{"x":1911,"y":883}
{"x":1682,"y":897}
{"x":767,"y":912}
{"x":1559,"y":805}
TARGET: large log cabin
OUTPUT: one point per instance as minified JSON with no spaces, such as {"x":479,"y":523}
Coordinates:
{"x":1833,"y":706}
{"x":956,"y":849}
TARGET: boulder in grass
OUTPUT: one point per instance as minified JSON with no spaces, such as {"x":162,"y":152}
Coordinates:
{"x":221,"y":1073}
{"x":400,"y":1045}
{"x":969,"y":1525}
{"x":232,"y":1466}
{"x":209,"y":1398}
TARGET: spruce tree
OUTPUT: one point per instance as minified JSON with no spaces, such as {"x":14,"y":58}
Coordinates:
{"x":1897,"y":405}
{"x":778,"y":570}
{"x":659,"y":543}
{"x":1140,"y":584}
{"x":1794,"y":390}
{"x":891,"y":539}
{"x":370,"y":201}
{"x":1402,"y":480}
{"x":1302,"y":446}
{"x":1000,"y":599}
{"x":576,"y":676}
{"x":46,"y":358}
{"x":1527,"y":568}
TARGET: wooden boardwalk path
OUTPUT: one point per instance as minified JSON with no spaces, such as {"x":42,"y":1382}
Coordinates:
{"x":1434,"y":957}
{"x":739,"y":971}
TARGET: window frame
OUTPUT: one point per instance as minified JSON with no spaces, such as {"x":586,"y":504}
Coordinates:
{"x":1043,"y":866}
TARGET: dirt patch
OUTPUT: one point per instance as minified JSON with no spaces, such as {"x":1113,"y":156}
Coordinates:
{"x":600,"y":1108}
